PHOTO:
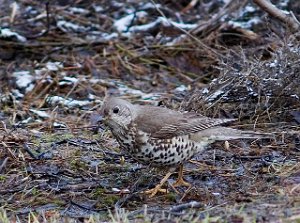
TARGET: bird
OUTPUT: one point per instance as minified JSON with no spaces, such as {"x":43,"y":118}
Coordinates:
{"x":163,"y":137}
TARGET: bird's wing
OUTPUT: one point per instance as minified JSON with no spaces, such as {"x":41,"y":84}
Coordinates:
{"x":188,"y":125}
{"x":164,"y":123}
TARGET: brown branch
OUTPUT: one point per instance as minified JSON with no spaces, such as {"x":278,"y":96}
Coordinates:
{"x":289,"y":19}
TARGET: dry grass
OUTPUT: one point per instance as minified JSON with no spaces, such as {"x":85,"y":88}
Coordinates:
{"x":54,"y":169}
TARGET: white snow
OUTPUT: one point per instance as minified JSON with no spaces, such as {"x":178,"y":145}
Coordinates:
{"x":149,"y":5}
{"x":247,"y":24}
{"x":41,"y":114}
{"x":59,"y":125}
{"x":205,"y":91}
{"x":70,"y":103}
{"x":24,"y":80}
{"x":122,"y":24}
{"x":215,"y":95}
{"x":6,"y":33}
{"x":79,"y":10}
{"x":98,"y":8}
{"x":68,"y":81}
{"x":67,"y":26}
{"x":181,"y":88}
{"x":54,"y":66}
{"x":17,"y":94}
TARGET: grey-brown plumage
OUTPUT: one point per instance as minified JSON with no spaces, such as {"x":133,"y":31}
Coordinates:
{"x":161,"y":136}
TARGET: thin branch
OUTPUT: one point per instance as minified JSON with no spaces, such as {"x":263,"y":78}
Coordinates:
{"x":289,"y":19}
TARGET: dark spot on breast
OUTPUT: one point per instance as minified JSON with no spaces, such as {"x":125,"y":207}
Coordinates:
{"x":161,"y":155}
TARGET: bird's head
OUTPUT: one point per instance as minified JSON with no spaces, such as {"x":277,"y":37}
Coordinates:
{"x":116,"y":113}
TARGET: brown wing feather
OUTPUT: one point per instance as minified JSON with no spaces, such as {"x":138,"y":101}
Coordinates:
{"x":188,"y":126}
{"x":165,"y":123}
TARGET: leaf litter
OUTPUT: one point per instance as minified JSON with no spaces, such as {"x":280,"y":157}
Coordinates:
{"x":59,"y":59}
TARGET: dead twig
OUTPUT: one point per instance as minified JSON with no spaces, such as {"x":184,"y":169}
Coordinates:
{"x":181,"y":207}
{"x":3,"y":164}
{"x":289,"y":19}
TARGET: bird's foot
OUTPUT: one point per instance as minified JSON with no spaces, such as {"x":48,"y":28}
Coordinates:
{"x":181,"y":182}
{"x":156,"y":190}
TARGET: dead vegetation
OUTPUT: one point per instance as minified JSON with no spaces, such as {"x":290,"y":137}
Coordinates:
{"x":223,"y":60}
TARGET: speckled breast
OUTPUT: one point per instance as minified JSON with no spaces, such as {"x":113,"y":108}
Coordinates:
{"x":145,"y":149}
{"x":163,"y":151}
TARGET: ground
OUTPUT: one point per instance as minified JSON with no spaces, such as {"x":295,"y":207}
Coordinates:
{"x":58,"y":59}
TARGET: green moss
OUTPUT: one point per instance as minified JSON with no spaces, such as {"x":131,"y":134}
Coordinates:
{"x":106,"y":200}
{"x":36,"y":142}
{"x":110,"y":200}
{"x":34,"y":191}
{"x":99,"y":191}
{"x":51,"y":137}
{"x":56,"y":137}
{"x":77,"y":153}
{"x":78,"y":164}
{"x":2,"y":177}
{"x":171,"y":197}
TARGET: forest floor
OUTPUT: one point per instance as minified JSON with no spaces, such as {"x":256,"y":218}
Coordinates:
{"x":57,"y":62}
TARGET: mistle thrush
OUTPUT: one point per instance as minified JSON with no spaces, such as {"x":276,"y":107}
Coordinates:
{"x":164,"y":137}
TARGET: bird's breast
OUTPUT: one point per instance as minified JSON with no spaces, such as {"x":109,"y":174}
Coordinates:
{"x":164,"y":151}
{"x":148,"y":150}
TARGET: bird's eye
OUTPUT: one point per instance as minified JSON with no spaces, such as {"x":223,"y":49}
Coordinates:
{"x":116,"y":110}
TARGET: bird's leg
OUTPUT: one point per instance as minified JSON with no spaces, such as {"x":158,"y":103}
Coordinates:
{"x":158,"y":188}
{"x":180,"y":181}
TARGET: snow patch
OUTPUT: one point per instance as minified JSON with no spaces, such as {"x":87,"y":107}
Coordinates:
{"x":6,"y":33}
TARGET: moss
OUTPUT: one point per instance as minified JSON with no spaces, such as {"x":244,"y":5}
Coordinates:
{"x":78,"y":164}
{"x":171,"y":197}
{"x":106,"y":200}
{"x":110,"y":200}
{"x":99,"y":191}
{"x":34,"y":191}
{"x":56,"y":137}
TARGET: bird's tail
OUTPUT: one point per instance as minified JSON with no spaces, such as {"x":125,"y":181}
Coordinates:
{"x":225,"y":133}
